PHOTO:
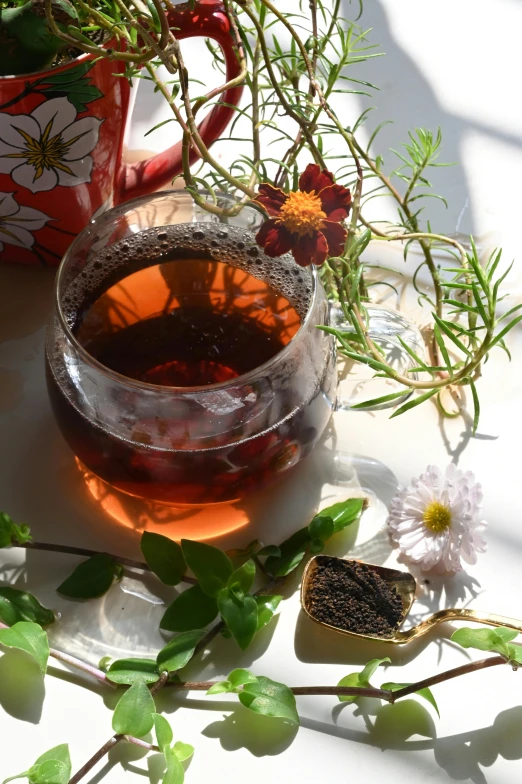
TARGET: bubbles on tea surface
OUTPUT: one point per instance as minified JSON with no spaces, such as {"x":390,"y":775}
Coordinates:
{"x":232,"y":246}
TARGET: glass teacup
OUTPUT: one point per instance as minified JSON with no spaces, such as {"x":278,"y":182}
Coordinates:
{"x":184,"y":366}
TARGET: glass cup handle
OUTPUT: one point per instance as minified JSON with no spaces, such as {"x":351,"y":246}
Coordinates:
{"x":356,"y":381}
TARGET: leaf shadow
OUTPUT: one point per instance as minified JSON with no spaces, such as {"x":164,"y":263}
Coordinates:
{"x":260,"y":735}
{"x":22,"y":687}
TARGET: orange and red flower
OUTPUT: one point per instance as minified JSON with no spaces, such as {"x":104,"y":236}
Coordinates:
{"x":307,"y":221}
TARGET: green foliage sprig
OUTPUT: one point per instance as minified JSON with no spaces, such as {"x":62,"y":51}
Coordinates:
{"x":221,"y":574}
{"x":294,"y":65}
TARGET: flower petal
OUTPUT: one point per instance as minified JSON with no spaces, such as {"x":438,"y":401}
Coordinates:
{"x":8,"y":164}
{"x":272,"y":199}
{"x":8,"y":205}
{"x":311,"y":249}
{"x":9,"y":133}
{"x":16,"y":235}
{"x":60,"y":112}
{"x":28,"y":218}
{"x":313,"y":179}
{"x":26,"y":175}
{"x":85,"y":135}
{"x":336,"y":201}
{"x":81,"y":172}
{"x":274,"y":238}
{"x":335,"y":236}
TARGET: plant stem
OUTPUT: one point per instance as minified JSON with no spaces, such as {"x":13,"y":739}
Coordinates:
{"x":358,"y":691}
{"x":100,"y":754}
{"x":427,"y":683}
{"x":141,"y":743}
{"x":72,"y":661}
{"x":61,"y":548}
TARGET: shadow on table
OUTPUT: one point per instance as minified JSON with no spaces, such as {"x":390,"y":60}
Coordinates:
{"x":244,"y":729}
{"x":462,"y":756}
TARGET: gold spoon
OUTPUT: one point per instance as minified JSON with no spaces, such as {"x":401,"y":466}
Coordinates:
{"x":406,"y":586}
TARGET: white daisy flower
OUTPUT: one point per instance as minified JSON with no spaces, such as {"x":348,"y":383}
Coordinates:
{"x":436,"y":521}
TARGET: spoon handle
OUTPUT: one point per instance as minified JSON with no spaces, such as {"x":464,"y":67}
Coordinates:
{"x":491,"y":619}
{"x":455,"y":614}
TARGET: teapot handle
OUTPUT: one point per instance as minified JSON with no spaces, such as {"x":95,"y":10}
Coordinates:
{"x":207,"y":19}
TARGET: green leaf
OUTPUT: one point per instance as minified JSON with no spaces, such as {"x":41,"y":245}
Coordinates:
{"x":128,"y":671}
{"x":192,"y":609}
{"x":243,"y":578}
{"x":514,"y":653}
{"x":316,"y":546}
{"x":239,"y":677}
{"x":293,"y":551}
{"x":49,"y":772}
{"x":443,"y":349}
{"x":91,"y":578}
{"x":360,"y":679}
{"x":240,"y":616}
{"x":370,"y":668}
{"x":175,"y":773}
{"x":476,"y":406}
{"x":10,"y":532}
{"x":504,"y":332}
{"x":164,"y":734}
{"x":349,"y":680}
{"x":212,"y":567}
{"x":183,"y":751}
{"x":321,"y":527}
{"x":266,"y":609}
{"x":376,"y":401}
{"x":270,"y":549}
{"x":426,"y":694}
{"x":164,"y":557}
{"x":134,"y":713}
{"x":53,"y":767}
{"x":446,"y":328}
{"x":18,"y":605}
{"x":415,"y":402}
{"x":28,"y":637}
{"x":222,"y":687}
{"x":179,"y":651}
{"x":344,"y":513}
{"x":483,"y":639}
{"x":269,"y":698}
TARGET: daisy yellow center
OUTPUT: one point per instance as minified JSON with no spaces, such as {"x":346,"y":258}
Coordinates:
{"x":302,"y":213}
{"x":437,"y":517}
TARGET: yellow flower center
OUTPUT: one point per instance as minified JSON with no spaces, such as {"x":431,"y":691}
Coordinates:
{"x":437,"y":517}
{"x":301,"y":213}
{"x":46,"y":152}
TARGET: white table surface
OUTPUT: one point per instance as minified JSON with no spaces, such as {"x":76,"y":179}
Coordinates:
{"x":453,"y":64}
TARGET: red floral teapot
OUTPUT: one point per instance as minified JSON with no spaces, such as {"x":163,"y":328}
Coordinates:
{"x":61,"y":143}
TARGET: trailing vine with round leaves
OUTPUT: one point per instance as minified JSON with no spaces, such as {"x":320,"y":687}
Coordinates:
{"x":220,"y":598}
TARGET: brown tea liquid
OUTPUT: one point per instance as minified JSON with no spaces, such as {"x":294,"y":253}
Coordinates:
{"x":187,"y":323}
{"x":180,"y":309}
